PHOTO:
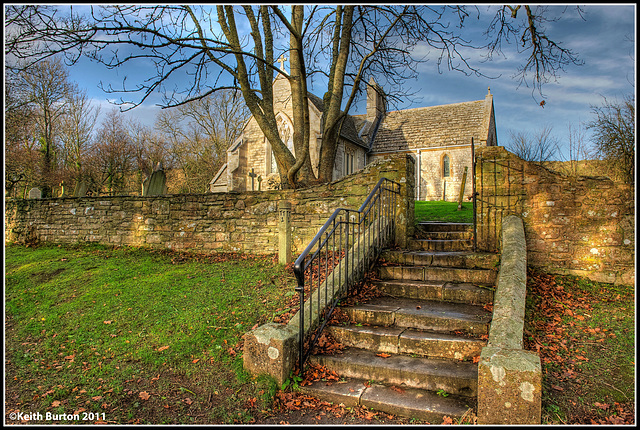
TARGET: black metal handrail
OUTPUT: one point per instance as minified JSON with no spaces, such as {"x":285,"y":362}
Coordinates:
{"x":338,"y":257}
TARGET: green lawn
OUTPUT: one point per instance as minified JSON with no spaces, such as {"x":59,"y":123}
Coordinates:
{"x":443,"y":211}
{"x":137,"y":335}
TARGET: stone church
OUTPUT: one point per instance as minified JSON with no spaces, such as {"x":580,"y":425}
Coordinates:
{"x":437,"y":137}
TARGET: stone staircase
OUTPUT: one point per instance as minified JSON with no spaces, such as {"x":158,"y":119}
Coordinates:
{"x":410,"y":351}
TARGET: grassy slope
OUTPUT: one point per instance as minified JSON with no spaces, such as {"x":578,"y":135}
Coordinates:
{"x":92,"y":328}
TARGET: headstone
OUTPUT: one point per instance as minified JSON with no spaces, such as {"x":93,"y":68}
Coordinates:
{"x":63,"y":192}
{"x":155,"y":185}
{"x":35,"y":193}
{"x":259,"y":183}
{"x":80,"y":189}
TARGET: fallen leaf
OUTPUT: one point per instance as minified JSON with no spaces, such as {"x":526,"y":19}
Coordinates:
{"x":384,"y":355}
{"x":162,"y":348}
{"x":476,"y":359}
{"x":447,"y":420}
{"x":55,"y":403}
{"x":603,"y":406}
{"x":96,"y":398}
{"x":195,"y":361}
{"x":144,"y":395}
{"x":107,"y":322}
{"x":188,"y":401}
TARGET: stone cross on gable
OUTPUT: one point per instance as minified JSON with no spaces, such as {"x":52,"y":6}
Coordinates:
{"x":281,"y":60}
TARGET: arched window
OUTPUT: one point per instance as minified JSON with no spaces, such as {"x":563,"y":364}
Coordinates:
{"x":446,"y":169}
{"x":285,"y":130}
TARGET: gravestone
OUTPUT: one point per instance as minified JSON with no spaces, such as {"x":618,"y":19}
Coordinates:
{"x":63,"y":191}
{"x":35,"y":193}
{"x":81,"y":189}
{"x":155,"y":185}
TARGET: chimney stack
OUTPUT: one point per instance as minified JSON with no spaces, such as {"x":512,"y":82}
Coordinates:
{"x":376,"y":103}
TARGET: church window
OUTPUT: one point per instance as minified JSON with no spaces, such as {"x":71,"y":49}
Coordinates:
{"x":285,"y":130}
{"x":349,"y":156}
{"x":446,"y":168}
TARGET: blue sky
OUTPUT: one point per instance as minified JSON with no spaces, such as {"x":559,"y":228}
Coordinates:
{"x":604,"y":40}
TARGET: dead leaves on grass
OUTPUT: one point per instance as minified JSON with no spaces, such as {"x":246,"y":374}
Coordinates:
{"x":561,"y":314}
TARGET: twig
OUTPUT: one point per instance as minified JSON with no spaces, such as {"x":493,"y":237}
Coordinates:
{"x":621,"y":392}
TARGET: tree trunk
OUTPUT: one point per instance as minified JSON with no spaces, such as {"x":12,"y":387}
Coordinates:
{"x":332,"y":117}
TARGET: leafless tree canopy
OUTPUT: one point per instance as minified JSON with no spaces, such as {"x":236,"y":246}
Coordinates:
{"x":614,"y":135}
{"x":539,"y":147}
{"x":208,"y":49}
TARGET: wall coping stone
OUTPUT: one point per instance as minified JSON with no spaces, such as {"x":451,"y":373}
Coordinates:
{"x":509,"y":378}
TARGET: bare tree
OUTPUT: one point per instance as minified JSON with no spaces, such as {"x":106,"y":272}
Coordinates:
{"x":578,"y":148}
{"x":47,"y":89}
{"x":545,"y":58}
{"x":539,"y":147}
{"x":22,"y":157}
{"x":112,"y":155}
{"x":221,"y":117}
{"x":614,"y":136}
{"x":76,"y":131}
{"x":210,"y":50}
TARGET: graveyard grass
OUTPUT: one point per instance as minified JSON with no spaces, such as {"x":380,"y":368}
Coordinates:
{"x":443,"y":211}
{"x":154,"y":337}
{"x":141,"y":336}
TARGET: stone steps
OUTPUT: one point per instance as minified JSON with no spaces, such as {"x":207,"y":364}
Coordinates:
{"x":410,"y":341}
{"x":432,"y":273}
{"x":453,"y":377}
{"x":434,"y":226}
{"x":461,"y":259}
{"x":440,"y":245}
{"x":456,"y":292}
{"x":397,"y":400}
{"x":411,"y":350}
{"x":421,"y":314}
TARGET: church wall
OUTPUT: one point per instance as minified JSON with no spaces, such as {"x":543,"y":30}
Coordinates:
{"x":257,"y":148}
{"x":432,"y":183}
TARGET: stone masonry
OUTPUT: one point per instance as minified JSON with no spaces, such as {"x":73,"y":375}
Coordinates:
{"x":214,"y":222}
{"x":583,"y":226}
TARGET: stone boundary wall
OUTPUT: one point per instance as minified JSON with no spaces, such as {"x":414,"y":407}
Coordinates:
{"x":583,"y":226}
{"x":204,"y":223}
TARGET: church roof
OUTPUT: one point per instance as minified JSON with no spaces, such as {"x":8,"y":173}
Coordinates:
{"x":348,"y":131}
{"x":435,"y":126}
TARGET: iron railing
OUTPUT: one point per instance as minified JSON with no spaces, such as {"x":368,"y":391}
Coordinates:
{"x":338,"y":257}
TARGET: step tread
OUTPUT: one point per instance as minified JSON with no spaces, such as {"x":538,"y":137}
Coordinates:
{"x":425,"y":365}
{"x":396,"y":400}
{"x":408,"y":332}
{"x":456,"y":377}
{"x":444,"y":226}
{"x":461,"y":311}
